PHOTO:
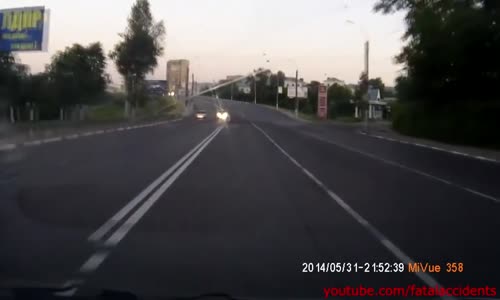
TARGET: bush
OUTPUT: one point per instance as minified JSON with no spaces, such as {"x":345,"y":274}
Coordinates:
{"x":467,"y":123}
{"x":106,"y":112}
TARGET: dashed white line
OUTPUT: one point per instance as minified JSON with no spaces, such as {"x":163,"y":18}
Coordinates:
{"x":51,"y":140}
{"x":32,"y":143}
{"x":431,"y":147}
{"x":7,"y":147}
{"x":12,"y":146}
{"x":392,"y":163}
{"x":396,"y":251}
{"x":94,"y":261}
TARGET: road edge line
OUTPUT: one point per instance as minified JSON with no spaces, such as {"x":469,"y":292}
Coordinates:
{"x":396,"y":251}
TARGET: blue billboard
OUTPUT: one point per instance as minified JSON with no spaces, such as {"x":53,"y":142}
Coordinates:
{"x":23,"y":29}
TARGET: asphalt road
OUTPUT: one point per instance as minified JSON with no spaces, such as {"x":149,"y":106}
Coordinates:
{"x":196,"y":206}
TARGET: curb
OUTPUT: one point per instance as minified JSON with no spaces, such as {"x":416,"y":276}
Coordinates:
{"x":72,"y":136}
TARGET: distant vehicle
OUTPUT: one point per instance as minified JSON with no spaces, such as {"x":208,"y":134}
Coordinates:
{"x":201,"y":114}
{"x":223,"y":116}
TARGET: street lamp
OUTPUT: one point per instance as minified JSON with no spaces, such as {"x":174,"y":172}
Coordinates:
{"x":296,"y":86}
{"x":366,"y":62}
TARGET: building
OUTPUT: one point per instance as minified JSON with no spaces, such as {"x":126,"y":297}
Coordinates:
{"x":289,"y":83}
{"x":178,"y":77}
{"x":156,"y":87}
{"x":202,"y":86}
{"x":376,"y":106}
{"x":332,"y":80}
{"x":242,"y":85}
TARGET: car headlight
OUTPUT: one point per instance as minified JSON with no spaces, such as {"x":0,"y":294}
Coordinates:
{"x":222,"y":115}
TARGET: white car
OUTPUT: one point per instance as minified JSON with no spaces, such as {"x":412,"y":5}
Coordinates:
{"x":223,"y":116}
{"x":201,"y":114}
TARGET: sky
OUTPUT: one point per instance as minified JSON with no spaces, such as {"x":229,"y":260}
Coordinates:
{"x":320,"y":38}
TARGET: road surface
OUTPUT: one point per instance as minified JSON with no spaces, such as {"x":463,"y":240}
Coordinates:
{"x":194,"y":206}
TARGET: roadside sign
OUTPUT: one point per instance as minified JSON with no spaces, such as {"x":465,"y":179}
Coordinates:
{"x":280,"y":90}
{"x":322,"y":102}
{"x":24,"y":29}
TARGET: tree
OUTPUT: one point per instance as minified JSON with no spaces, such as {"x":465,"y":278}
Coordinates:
{"x":78,"y":73}
{"x":362,"y":88}
{"x":451,"y":50}
{"x":138,"y":51}
{"x":8,"y":76}
{"x":311,"y":104}
{"x":340,"y":101}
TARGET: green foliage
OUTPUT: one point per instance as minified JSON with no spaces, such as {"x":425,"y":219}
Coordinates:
{"x":77,"y":74}
{"x":106,"y":112}
{"x":468,"y":123}
{"x":451,"y":51}
{"x":362,"y":88}
{"x":339,"y":101}
{"x":310,"y":105}
{"x":74,"y":76}
{"x":267,"y":88}
{"x":452,"y":72}
{"x":138,"y":51}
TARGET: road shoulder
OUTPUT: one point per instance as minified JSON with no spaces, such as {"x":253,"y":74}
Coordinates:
{"x":384,"y":132}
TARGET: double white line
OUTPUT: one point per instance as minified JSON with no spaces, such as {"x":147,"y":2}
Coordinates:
{"x":141,"y":203}
{"x":146,"y":203}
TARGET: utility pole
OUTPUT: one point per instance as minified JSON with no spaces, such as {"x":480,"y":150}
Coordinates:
{"x":277,"y":91}
{"x":232,"y":91}
{"x":367,"y":63}
{"x":187,"y":82}
{"x":296,"y":93}
{"x":192,"y":84}
{"x":254,"y":89}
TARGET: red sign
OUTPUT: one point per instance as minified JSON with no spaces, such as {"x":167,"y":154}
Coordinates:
{"x":322,"y":102}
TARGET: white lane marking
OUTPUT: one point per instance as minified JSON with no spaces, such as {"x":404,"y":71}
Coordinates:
{"x":110,"y":130}
{"x":71,"y":286}
{"x":99,"y":233}
{"x":120,"y":233}
{"x":71,"y":136}
{"x":88,"y":133}
{"x":486,"y":158}
{"x":99,"y":131}
{"x":94,"y":261}
{"x":32,"y":143}
{"x":7,"y":147}
{"x":398,"y":253}
{"x":432,"y":147}
{"x":120,"y":129}
{"x":51,"y":140}
{"x":392,"y":163}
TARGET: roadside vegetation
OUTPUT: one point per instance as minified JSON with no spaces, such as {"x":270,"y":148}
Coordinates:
{"x":449,"y":89}
{"x":75,"y":87}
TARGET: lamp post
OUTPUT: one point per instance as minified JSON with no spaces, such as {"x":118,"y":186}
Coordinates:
{"x":366,"y":66}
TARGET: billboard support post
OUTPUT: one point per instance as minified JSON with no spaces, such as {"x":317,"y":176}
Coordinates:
{"x":322,"y":102}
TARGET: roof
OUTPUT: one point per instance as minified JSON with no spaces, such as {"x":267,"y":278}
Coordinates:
{"x":373,"y":94}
